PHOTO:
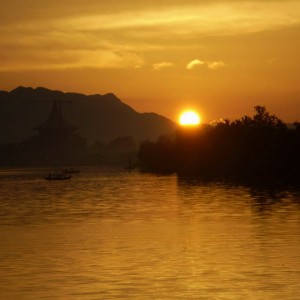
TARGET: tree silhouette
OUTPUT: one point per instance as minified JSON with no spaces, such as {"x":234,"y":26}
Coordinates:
{"x":259,"y":147}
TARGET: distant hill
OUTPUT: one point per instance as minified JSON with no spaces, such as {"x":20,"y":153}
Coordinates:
{"x":98,"y":117}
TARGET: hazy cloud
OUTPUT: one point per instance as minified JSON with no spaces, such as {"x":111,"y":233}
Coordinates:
{"x":162,"y":65}
{"x":194,"y":63}
{"x":213,"y":65}
{"x":118,"y":33}
{"x":65,"y":59}
{"x":232,"y":18}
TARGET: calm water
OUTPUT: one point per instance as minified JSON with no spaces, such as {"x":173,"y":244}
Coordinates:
{"x":110,"y":234}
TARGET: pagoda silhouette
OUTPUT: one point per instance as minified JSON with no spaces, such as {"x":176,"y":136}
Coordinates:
{"x":57,"y":142}
{"x":55,"y":127}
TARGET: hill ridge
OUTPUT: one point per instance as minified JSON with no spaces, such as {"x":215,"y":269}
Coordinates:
{"x":98,"y":117}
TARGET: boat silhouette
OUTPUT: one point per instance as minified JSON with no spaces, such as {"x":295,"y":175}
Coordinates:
{"x":58,"y":176}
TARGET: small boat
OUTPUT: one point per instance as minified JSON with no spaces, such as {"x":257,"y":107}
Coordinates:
{"x":70,"y":171}
{"x":58,"y":176}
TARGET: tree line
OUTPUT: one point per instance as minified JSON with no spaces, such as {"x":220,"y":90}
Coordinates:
{"x":260,"y":147}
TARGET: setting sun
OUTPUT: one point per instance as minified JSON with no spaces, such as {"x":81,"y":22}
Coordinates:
{"x":189,"y":118}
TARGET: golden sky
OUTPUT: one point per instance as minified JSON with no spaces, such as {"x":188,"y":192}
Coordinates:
{"x":220,"y":57}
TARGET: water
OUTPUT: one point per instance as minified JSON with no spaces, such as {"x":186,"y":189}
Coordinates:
{"x":111,"y":234}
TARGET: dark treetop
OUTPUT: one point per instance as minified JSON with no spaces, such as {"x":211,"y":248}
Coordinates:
{"x":259,"y":148}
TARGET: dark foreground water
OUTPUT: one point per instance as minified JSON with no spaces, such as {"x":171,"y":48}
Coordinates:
{"x":111,"y":234}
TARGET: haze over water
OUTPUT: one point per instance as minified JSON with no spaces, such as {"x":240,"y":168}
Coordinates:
{"x":111,"y":234}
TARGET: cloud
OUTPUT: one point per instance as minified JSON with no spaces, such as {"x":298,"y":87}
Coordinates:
{"x":212,"y":65}
{"x":219,"y":19}
{"x":67,"y":59}
{"x":194,"y":63}
{"x":162,"y":65}
{"x":122,"y":36}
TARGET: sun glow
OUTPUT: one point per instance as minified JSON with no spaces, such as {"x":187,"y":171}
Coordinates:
{"x":189,"y":118}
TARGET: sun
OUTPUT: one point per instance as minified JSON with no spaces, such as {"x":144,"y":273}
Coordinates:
{"x":189,"y":118}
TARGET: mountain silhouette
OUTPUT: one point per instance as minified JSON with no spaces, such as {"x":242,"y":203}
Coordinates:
{"x":98,"y":117}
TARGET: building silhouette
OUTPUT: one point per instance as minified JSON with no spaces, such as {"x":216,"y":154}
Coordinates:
{"x":57,"y":142}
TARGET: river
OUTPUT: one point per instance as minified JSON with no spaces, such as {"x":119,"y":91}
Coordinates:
{"x":114,"y":234}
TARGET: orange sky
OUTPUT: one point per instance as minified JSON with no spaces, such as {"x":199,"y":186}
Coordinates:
{"x":219,"y":57}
